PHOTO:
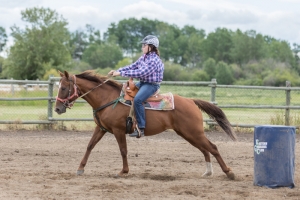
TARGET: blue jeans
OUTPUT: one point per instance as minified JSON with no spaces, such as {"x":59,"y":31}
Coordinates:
{"x":145,"y":91}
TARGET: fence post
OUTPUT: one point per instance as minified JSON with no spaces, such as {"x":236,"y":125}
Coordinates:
{"x":213,"y":86}
{"x":50,"y":95}
{"x":12,"y":88}
{"x":287,"y":102}
{"x":213,"y":91}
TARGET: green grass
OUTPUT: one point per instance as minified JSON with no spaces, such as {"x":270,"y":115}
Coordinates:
{"x":37,"y":110}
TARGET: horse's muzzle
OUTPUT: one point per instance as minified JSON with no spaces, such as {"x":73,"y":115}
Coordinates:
{"x":60,"y":110}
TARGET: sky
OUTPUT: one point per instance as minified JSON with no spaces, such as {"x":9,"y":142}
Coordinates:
{"x":277,"y":18}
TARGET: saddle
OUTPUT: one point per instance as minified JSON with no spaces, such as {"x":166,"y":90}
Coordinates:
{"x":131,"y":90}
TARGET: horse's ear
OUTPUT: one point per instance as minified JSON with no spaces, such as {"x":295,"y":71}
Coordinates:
{"x":67,"y":74}
{"x":60,"y":73}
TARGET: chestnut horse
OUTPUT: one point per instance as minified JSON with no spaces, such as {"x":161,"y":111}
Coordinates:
{"x":102,"y":94}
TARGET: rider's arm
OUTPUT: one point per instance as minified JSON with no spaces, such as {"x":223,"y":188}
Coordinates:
{"x":145,"y":68}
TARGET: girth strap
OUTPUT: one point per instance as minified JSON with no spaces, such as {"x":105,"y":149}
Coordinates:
{"x":102,"y":107}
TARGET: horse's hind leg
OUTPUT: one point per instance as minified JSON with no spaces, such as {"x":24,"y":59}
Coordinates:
{"x":209,"y":170}
{"x":212,"y":148}
{"x":204,"y":145}
{"x":98,"y":134}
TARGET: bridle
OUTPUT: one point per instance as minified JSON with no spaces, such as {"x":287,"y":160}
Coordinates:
{"x":67,"y":101}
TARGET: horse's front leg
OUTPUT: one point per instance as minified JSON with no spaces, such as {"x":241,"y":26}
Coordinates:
{"x":98,"y":134}
{"x":121,"y":139}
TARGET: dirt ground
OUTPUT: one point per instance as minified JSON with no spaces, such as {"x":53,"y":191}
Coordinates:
{"x":43,"y":165}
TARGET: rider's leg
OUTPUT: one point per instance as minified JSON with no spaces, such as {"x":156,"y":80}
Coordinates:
{"x":145,"y":91}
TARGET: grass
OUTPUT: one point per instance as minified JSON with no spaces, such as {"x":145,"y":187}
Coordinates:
{"x":37,"y":110}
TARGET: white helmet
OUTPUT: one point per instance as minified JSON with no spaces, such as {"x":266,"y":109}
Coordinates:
{"x":151,"y":39}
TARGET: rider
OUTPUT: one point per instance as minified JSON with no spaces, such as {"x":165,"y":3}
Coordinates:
{"x":149,"y":70}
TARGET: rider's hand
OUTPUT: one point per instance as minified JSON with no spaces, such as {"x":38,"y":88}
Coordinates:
{"x":111,"y":72}
{"x":116,"y":73}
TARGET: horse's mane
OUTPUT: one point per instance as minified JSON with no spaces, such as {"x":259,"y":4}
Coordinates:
{"x":91,"y":75}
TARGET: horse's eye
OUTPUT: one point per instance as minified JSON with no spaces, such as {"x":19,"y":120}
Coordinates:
{"x":63,"y":88}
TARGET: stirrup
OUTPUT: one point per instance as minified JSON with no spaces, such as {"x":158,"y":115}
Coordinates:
{"x":137,"y":133}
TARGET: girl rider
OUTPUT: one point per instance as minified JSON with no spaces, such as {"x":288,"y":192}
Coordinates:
{"x":149,"y":70}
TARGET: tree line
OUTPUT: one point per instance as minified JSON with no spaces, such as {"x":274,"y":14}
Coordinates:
{"x":46,"y":45}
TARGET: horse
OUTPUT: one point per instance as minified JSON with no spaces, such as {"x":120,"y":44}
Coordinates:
{"x":103,"y":93}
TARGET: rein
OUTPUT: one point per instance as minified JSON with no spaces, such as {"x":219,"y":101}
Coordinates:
{"x":66,"y":102}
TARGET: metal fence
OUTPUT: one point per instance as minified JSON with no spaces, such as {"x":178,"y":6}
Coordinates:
{"x":32,"y":102}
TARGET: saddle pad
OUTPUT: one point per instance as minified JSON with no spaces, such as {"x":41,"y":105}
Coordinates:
{"x":167,"y":103}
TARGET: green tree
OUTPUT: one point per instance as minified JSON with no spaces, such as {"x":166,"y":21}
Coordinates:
{"x":81,"y":39}
{"x":124,"y":62}
{"x":3,"y":38}
{"x":224,"y":73}
{"x":78,"y":43}
{"x":281,"y":51}
{"x":1,"y":64}
{"x":129,"y":32}
{"x":42,"y":45}
{"x":102,"y":56}
{"x":193,"y":52}
{"x":209,"y":66}
{"x":200,"y":75}
{"x":175,"y":72}
{"x":218,"y":45}
{"x":94,"y":35}
{"x":247,"y":46}
{"x":169,"y":47}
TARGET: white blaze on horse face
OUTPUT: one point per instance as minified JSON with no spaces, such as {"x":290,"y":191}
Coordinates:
{"x":58,"y":92}
{"x":209,"y":170}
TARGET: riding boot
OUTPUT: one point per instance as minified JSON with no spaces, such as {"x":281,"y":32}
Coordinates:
{"x":138,"y":132}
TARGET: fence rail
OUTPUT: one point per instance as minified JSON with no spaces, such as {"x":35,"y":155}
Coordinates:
{"x":52,"y":83}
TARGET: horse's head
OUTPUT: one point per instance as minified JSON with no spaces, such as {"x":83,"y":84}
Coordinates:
{"x":67,"y":93}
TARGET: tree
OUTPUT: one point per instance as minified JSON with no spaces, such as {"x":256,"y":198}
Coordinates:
{"x":175,"y":72}
{"x":3,"y":38}
{"x":94,"y":36}
{"x":200,"y":75}
{"x":281,"y":51}
{"x":78,"y":42}
{"x":102,"y":56}
{"x":224,"y":74}
{"x":1,"y":64}
{"x":218,"y":45}
{"x":209,"y":66}
{"x":81,"y":39}
{"x":169,"y":47}
{"x":193,"y":51}
{"x":129,"y":32}
{"x":43,"y":44}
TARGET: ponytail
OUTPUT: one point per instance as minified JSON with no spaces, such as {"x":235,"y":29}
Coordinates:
{"x":154,"y":49}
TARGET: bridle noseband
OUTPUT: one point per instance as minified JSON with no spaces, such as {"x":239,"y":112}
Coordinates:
{"x":66,"y":102}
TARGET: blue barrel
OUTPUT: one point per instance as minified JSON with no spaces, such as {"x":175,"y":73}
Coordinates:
{"x":274,"y":156}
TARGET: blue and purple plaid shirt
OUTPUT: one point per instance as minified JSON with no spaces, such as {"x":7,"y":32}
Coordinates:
{"x":148,"y":68}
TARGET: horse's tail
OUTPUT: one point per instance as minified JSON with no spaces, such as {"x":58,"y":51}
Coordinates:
{"x":216,"y":114}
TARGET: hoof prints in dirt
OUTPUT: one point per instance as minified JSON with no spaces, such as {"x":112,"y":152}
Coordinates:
{"x":158,"y":177}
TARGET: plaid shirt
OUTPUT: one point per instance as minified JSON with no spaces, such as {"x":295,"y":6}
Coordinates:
{"x":148,"y":68}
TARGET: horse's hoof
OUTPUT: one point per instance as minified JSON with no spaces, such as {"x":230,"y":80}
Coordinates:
{"x":206,"y":174}
{"x":80,"y":172}
{"x":230,"y":175}
{"x":117,"y":176}
{"x":120,"y":175}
